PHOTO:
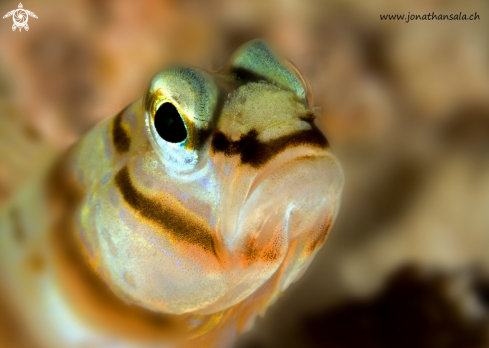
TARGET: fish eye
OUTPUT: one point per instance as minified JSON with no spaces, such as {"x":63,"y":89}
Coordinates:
{"x":169,"y":124}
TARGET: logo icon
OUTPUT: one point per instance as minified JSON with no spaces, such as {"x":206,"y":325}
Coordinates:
{"x":20,"y":17}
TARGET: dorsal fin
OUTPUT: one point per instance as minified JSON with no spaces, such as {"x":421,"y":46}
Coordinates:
{"x":257,"y":58}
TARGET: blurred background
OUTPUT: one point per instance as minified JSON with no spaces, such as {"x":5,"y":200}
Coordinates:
{"x":404,"y":105}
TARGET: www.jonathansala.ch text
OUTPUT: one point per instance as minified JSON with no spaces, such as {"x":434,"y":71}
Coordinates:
{"x":430,"y":17}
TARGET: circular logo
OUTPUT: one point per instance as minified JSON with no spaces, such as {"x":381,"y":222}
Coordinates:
{"x":20,"y":17}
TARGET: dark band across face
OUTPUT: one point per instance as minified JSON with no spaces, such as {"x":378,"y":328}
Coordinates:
{"x":120,"y":138}
{"x":256,"y":153}
{"x":179,"y":226}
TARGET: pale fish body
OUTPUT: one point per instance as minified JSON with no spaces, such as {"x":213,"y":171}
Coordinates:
{"x":179,"y":220}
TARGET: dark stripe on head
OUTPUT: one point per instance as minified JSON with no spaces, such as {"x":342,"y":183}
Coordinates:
{"x":256,"y":153}
{"x":120,"y":138}
{"x":179,"y":226}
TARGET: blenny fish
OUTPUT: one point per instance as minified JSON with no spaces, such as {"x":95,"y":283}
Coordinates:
{"x":178,"y":221}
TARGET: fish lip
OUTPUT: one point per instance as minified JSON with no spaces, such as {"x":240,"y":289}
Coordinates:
{"x":280,"y":160}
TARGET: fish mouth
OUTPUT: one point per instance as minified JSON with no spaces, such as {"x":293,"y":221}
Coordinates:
{"x":281,"y":159}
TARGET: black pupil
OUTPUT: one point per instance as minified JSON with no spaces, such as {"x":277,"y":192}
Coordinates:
{"x":169,"y":124}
